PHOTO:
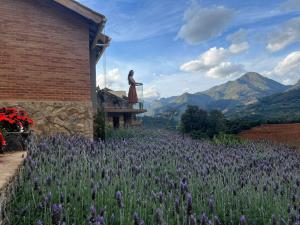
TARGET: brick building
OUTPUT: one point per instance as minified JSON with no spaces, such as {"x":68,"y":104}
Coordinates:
{"x":48,"y":55}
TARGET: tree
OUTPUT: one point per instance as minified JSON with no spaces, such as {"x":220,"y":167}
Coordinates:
{"x":200,"y":124}
{"x":194,"y":119}
{"x":216,"y":123}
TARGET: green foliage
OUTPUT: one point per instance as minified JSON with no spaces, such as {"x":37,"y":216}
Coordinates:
{"x":159,"y":122}
{"x":238,"y":125}
{"x":194,"y":119}
{"x":216,"y":123}
{"x":120,"y":133}
{"x":99,"y":125}
{"x":226,"y":139}
{"x":201,"y":124}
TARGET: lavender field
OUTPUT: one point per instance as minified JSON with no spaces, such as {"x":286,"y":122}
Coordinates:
{"x":156,"y":178}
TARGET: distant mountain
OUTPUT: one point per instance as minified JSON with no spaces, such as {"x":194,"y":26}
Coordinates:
{"x":296,"y":86}
{"x":282,"y":106}
{"x":245,"y":90}
{"x":178,"y":103}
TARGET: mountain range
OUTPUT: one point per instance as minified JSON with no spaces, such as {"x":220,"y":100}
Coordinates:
{"x":239,"y":98}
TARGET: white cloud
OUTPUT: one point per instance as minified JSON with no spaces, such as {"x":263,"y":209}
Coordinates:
{"x":289,"y":65}
{"x":114,"y":80}
{"x":204,"y":23}
{"x":238,"y":41}
{"x":288,"y":82}
{"x":213,"y":62}
{"x":239,"y":47}
{"x":206,"y":61}
{"x":238,"y":37}
{"x":287,"y":69}
{"x":226,"y":69}
{"x":151,"y":92}
{"x":285,"y":35}
{"x":291,"y":5}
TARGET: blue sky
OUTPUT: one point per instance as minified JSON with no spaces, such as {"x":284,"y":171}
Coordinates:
{"x":178,"y":46}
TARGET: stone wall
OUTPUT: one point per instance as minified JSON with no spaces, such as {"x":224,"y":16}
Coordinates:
{"x":57,"y":117}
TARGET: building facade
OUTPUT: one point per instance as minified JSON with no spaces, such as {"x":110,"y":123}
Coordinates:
{"x":118,"y":112}
{"x":48,"y":55}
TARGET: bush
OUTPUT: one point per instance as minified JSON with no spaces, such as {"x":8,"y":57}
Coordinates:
{"x":226,"y":139}
{"x":99,"y":125}
{"x":120,"y":133}
{"x":201,"y":124}
{"x":198,"y":135}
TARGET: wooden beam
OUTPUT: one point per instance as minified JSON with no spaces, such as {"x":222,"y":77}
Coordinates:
{"x":120,"y":110}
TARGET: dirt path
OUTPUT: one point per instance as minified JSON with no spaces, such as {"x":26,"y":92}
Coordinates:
{"x":9,"y":163}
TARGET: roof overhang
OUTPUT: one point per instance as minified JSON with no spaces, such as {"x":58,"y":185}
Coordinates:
{"x":82,"y":10}
{"x":98,"y":41}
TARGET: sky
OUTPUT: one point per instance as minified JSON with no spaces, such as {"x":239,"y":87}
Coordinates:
{"x":177,"y":46}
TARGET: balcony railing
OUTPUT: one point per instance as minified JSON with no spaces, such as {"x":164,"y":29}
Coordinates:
{"x":140,"y":94}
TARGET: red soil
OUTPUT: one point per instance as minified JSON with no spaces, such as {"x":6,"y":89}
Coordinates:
{"x":281,"y":133}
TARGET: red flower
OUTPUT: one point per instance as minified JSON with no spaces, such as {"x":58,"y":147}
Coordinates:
{"x":13,"y":119}
{"x":2,"y":140}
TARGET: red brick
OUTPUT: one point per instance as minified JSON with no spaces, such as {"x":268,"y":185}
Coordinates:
{"x":44,"y":52}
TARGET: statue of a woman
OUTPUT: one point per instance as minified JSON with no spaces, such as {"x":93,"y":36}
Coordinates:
{"x":132,"y":95}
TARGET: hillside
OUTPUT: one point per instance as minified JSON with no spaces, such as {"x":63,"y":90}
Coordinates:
{"x":282,"y":106}
{"x":247,"y":88}
{"x":178,"y":103}
{"x":242,"y":91}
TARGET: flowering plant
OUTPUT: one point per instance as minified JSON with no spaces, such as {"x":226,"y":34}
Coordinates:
{"x":2,"y":140}
{"x":14,"y":120}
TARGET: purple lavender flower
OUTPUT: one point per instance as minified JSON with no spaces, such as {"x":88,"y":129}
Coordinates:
{"x":136,"y":219}
{"x":217,"y":221}
{"x":48,"y":180}
{"x":203,"y":219}
{"x":193,"y":220}
{"x":177,"y":206}
{"x":93,"y":214}
{"x":100,"y":220}
{"x":39,"y":222}
{"x":56,"y":214}
{"x":211,"y":205}
{"x":243,"y":220}
{"x":119,"y":199}
{"x":189,"y":205}
{"x":274,"y":220}
{"x":160,"y":197}
{"x":159,"y":220}
{"x":183,"y":186}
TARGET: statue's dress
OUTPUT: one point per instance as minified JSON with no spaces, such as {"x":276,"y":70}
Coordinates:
{"x":132,"y":95}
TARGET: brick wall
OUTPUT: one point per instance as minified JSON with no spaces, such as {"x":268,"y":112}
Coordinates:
{"x":44,"y":52}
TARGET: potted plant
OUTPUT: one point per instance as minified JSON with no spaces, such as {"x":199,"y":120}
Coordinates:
{"x":15,"y":124}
